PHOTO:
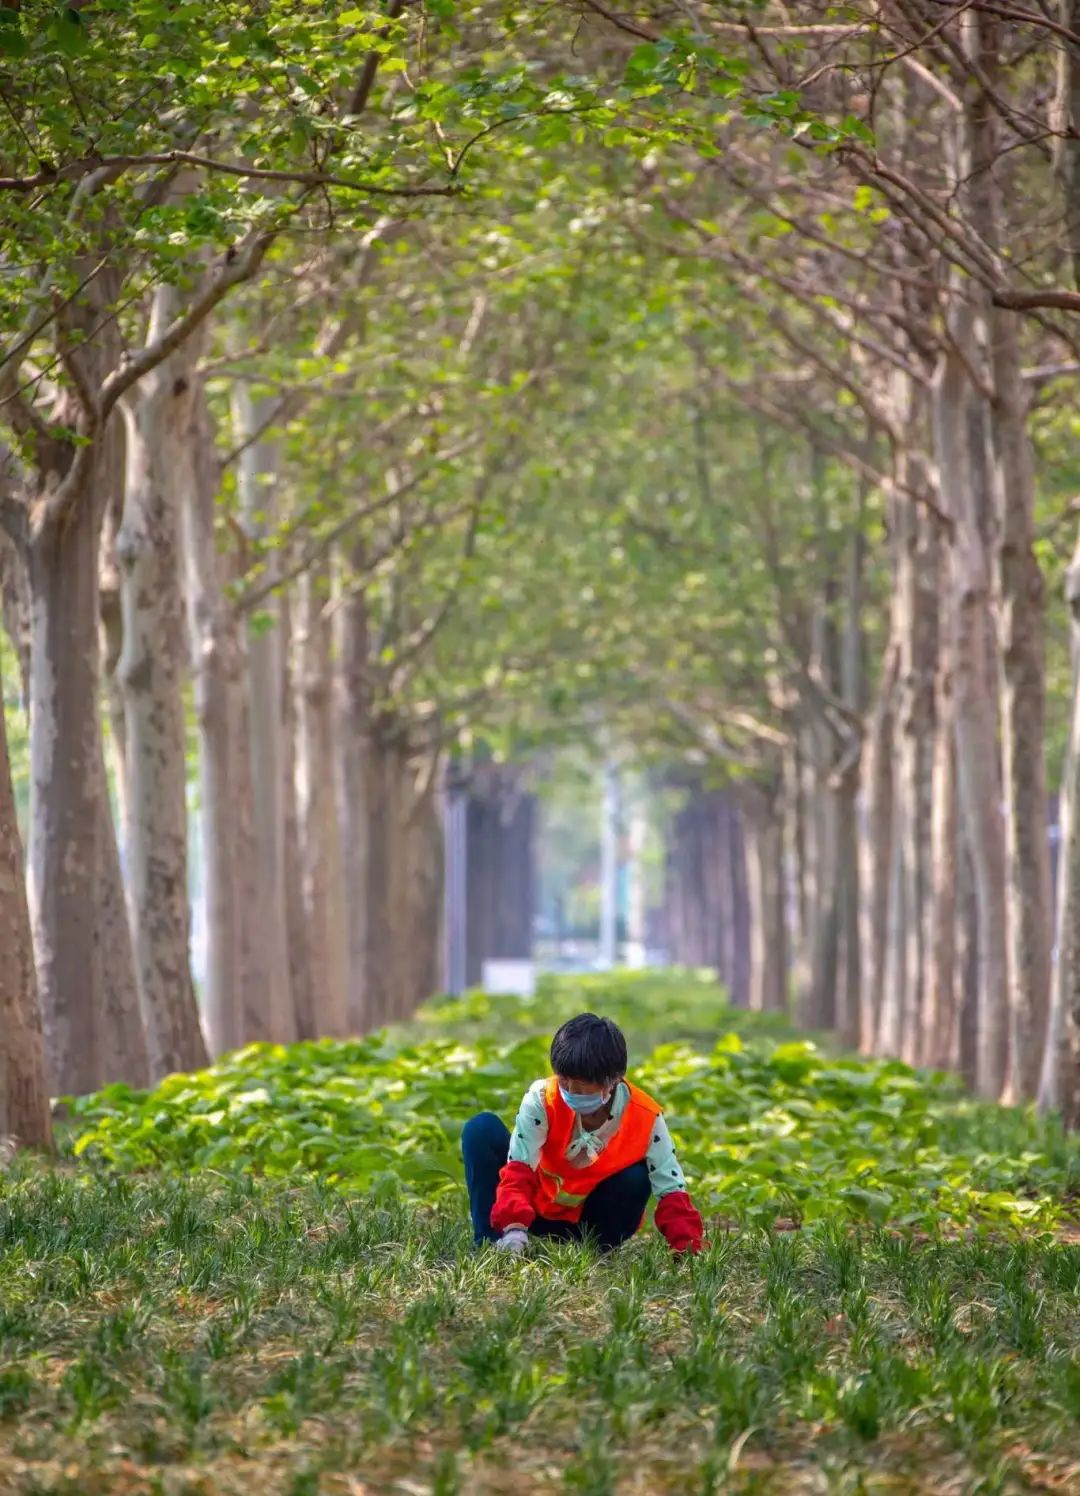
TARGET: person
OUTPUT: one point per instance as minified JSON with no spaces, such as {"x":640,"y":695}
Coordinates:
{"x":587,"y":1149}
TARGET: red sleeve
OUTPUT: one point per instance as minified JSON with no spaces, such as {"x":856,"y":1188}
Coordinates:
{"x":514,"y":1196}
{"x":679,"y":1223}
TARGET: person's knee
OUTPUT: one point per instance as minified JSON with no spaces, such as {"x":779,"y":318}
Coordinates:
{"x":483,"y":1132}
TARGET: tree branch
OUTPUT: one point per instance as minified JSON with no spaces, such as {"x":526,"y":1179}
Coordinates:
{"x":1026,"y":301}
{"x":366,"y":81}
{"x":630,"y":27}
{"x":118,"y":164}
{"x":240,"y":264}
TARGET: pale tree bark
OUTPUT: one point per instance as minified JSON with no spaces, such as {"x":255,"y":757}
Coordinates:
{"x":1059,"y":1082}
{"x":124,"y":1052}
{"x":937,"y":1041}
{"x":24,"y":1095}
{"x":916,"y":634}
{"x":818,"y":1002}
{"x":1021,"y":625}
{"x":760,"y":803}
{"x":802,"y":841}
{"x":256,"y":484}
{"x":877,"y":850}
{"x":958,"y":439}
{"x":795,"y":855}
{"x":610,"y":822}
{"x":296,"y":914}
{"x":257,"y":1018}
{"x":322,"y":870}
{"x":1020,"y":603}
{"x":217,"y":686}
{"x":353,"y":729}
{"x":853,"y":693}
{"x":817,"y":1010}
{"x":412,"y":878}
{"x":967,"y":960}
{"x":637,"y":895}
{"x":111,"y":614}
{"x":151,"y":671}
{"x":379,"y":807}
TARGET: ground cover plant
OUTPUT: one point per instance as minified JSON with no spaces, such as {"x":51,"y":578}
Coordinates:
{"x":173,"y":1324}
{"x":768,"y":1124}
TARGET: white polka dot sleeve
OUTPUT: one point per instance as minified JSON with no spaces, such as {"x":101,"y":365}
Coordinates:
{"x":665,"y":1176}
{"x":531,"y":1128}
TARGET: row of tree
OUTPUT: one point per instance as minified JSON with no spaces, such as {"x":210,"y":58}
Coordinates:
{"x":380,"y":378}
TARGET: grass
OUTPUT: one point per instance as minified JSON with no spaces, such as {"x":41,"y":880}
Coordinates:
{"x":182,"y":1330}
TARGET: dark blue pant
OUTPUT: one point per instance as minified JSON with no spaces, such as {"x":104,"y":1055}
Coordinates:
{"x":612,"y":1212}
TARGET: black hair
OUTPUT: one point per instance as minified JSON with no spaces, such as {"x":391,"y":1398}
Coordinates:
{"x":589,"y":1048}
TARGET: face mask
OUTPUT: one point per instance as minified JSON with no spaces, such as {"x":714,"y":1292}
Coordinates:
{"x":584,"y":1104}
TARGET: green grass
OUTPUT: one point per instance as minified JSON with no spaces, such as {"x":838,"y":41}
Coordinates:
{"x":188,"y":1329}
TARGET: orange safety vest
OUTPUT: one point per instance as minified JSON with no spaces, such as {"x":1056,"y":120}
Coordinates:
{"x":564,"y":1189}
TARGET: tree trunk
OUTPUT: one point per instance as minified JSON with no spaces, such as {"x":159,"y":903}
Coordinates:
{"x":915,"y":621}
{"x":740,"y":976}
{"x":500,"y":867}
{"x":877,"y":851}
{"x":937,"y":1041}
{"x":299,"y":943}
{"x":322,"y":872}
{"x":609,"y":868}
{"x":70,"y":828}
{"x":1020,"y":602}
{"x":853,"y":692}
{"x":958,"y":437}
{"x":124,"y":1055}
{"x":422,"y":844}
{"x":637,"y":831}
{"x":151,"y":676}
{"x":111,"y":614}
{"x":848,"y":1002}
{"x":1021,"y":627}
{"x":1060,"y":1080}
{"x":24,"y":1096}
{"x":1059,"y":1083}
{"x":352,"y":734}
{"x":765,"y":883}
{"x":216,"y":676}
{"x":968,"y":964}
{"x":818,"y":1004}
{"x":256,"y":481}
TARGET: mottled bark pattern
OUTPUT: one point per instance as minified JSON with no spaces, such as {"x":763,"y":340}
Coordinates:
{"x":151,"y":671}
{"x":322,"y":872}
{"x":256,"y":483}
{"x":65,"y":789}
{"x":216,"y":680}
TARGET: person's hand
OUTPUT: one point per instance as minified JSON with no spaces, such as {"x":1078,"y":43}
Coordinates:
{"x":514,"y":1240}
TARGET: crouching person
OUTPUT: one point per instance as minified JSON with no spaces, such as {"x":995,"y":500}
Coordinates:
{"x":587,"y":1150}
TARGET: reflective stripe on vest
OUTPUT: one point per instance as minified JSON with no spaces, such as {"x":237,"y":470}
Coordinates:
{"x":563,"y":1188}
